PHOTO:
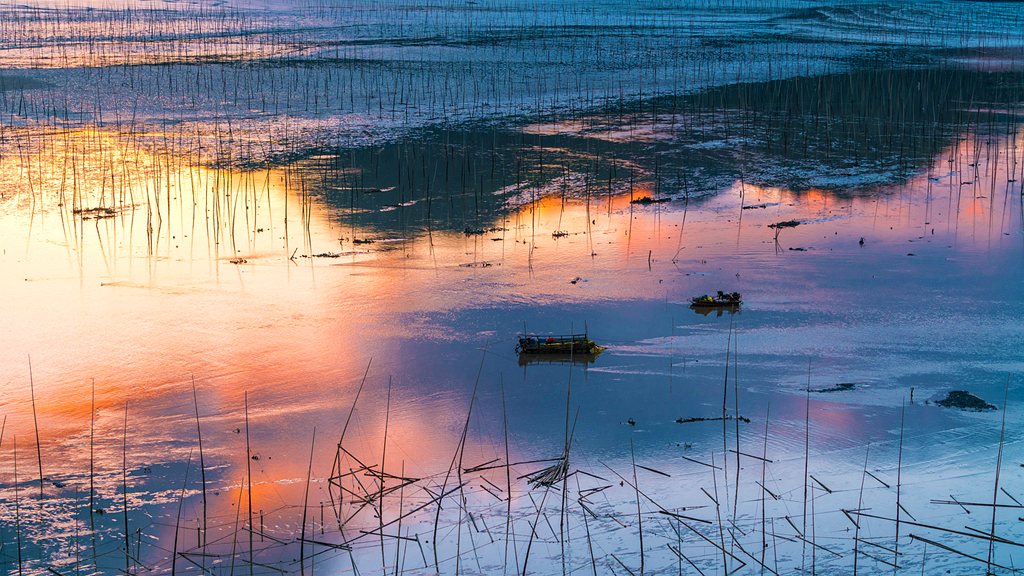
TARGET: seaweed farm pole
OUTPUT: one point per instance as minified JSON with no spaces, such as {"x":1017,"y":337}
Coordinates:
{"x":764,"y":467}
{"x":401,"y":506}
{"x":457,"y":458}
{"x":17,"y":505}
{"x":2,"y":428}
{"x":718,"y":511}
{"x":995,"y":488}
{"x":725,"y":423}
{"x":234,"y":533}
{"x":639,"y":520}
{"x":383,"y":460}
{"x":92,"y":491}
{"x":305,"y":502}
{"x":78,"y":560}
{"x":177,"y":523}
{"x":565,"y":455}
{"x":736,"y":400}
{"x":35,"y":424}
{"x":508,"y":479}
{"x":586,"y":526}
{"x":860,"y":502}
{"x":461,"y":451}
{"x":337,"y":453}
{"x":202,"y":468}
{"x":807,"y":446}
{"x":899,"y":473}
{"x":124,"y":490}
{"x":248,"y":468}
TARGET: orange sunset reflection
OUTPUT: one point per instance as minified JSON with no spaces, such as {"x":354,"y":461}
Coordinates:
{"x":139,"y":275}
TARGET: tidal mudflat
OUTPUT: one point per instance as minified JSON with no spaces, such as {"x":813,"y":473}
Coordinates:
{"x":263,"y":268}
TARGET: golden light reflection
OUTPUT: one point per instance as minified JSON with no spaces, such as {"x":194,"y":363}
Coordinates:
{"x":139,"y":238}
{"x":123,"y":264}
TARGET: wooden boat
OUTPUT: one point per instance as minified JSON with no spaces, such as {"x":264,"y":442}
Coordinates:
{"x":718,"y":311}
{"x":720,"y":300}
{"x":565,"y":344}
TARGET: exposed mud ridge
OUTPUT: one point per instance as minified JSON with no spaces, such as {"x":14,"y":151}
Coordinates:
{"x":965,"y":401}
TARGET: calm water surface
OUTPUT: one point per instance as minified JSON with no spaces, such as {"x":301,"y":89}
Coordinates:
{"x":338,"y":317}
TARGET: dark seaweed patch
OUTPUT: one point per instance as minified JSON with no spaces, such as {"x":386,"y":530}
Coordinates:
{"x":965,"y":401}
{"x":841,"y":387}
{"x":729,"y":417}
{"x":645,"y":200}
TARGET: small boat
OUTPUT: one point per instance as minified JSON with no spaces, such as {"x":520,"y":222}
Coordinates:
{"x":720,"y":300}
{"x":568,"y":344}
{"x":718,"y":311}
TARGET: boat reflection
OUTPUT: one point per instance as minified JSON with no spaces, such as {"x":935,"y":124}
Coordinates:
{"x":718,"y":310}
{"x":527,"y":358}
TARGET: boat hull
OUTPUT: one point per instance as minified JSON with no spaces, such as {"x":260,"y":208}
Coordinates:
{"x":714,"y":304}
{"x":566,"y":345}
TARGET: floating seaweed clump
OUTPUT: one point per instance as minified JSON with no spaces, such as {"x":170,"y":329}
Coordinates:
{"x":94,"y":213}
{"x":841,"y":387}
{"x":698,"y":419}
{"x":965,"y":401}
{"x":645,"y":200}
{"x":480,"y":231}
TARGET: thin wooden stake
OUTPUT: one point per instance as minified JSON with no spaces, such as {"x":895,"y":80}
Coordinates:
{"x":305,"y":506}
{"x":457,"y":458}
{"x":639,"y":519}
{"x":35,"y":424}
{"x":999,"y":464}
{"x":124,"y":485}
{"x":177,"y":523}
{"x":899,"y":474}
{"x":248,"y":468}
{"x":383,"y":459}
{"x":17,"y":505}
{"x":202,"y":466}
{"x":92,"y":475}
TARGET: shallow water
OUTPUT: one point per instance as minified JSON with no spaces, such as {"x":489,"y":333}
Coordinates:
{"x":308,"y":286}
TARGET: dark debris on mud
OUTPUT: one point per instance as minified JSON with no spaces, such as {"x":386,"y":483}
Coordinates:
{"x":646,"y":200}
{"x":964,"y":400}
{"x":94,"y":213}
